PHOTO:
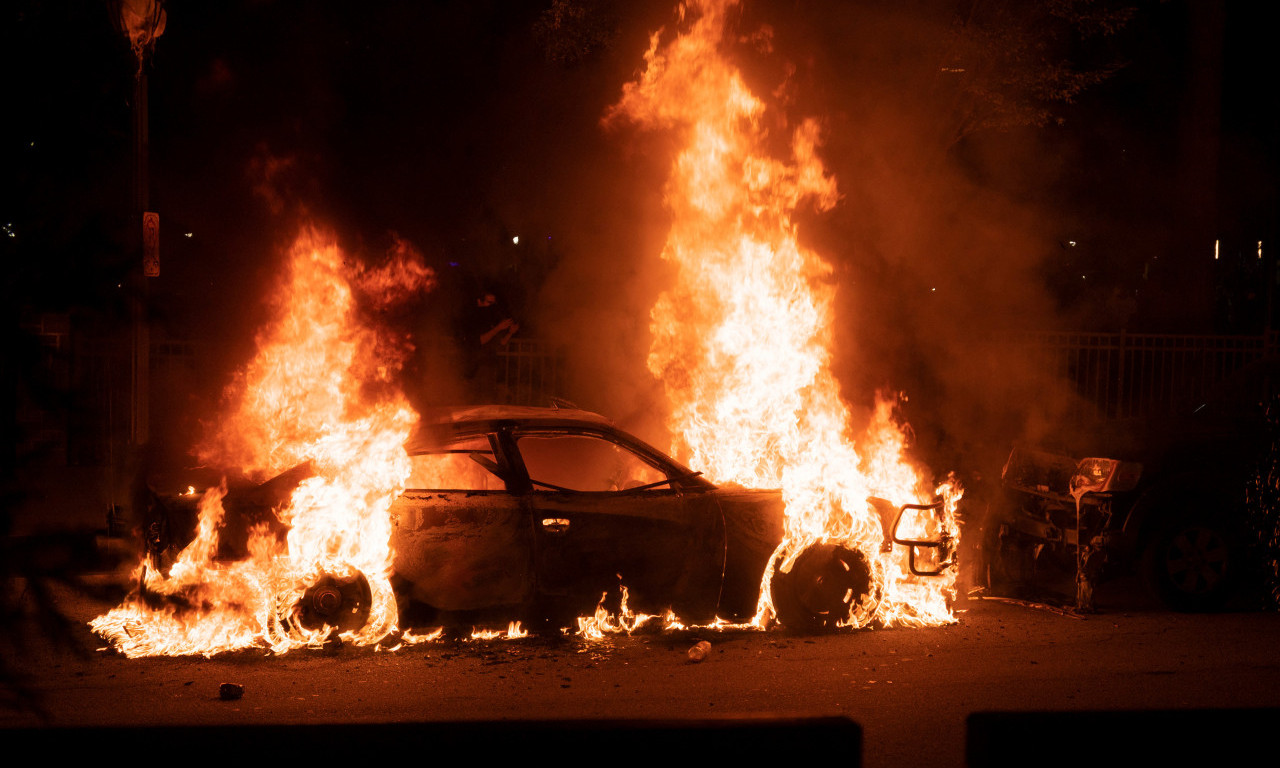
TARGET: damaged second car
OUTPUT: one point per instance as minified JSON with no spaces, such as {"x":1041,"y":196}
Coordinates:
{"x":1081,"y":521}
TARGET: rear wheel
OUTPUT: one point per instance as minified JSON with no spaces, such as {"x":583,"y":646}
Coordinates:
{"x":341,"y":602}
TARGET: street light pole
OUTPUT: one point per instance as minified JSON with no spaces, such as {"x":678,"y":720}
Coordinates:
{"x":139,"y":423}
{"x":142,"y":22}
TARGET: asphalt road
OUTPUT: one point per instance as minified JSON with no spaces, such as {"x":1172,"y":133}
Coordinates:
{"x":910,"y":690}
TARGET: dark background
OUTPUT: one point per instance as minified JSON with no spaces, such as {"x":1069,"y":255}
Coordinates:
{"x":460,"y":125}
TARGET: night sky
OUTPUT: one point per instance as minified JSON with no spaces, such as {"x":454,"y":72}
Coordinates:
{"x":446,"y":124}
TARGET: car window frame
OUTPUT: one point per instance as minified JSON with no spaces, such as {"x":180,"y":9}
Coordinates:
{"x":672,"y":474}
{"x":501,"y":468}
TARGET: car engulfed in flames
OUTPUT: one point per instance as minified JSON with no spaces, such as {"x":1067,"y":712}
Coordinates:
{"x":532,"y":514}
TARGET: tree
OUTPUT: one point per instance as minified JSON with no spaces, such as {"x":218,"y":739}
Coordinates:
{"x":1010,"y":64}
{"x":571,"y":30}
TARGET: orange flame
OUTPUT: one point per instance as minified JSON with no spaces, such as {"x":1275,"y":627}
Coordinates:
{"x":513,"y":632}
{"x":742,"y":341}
{"x":319,"y":391}
{"x":602,"y":622}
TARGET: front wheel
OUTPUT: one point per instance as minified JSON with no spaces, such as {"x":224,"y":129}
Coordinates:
{"x":1190,"y":564}
{"x":822,"y":589}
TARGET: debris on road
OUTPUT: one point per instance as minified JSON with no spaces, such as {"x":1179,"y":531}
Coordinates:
{"x":1068,"y":612}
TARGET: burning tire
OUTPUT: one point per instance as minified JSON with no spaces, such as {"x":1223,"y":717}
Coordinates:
{"x":824,"y":586}
{"x":341,"y":602}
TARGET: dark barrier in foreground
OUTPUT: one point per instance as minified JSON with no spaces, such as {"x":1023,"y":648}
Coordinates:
{"x":1136,"y":738}
{"x":630,"y":742}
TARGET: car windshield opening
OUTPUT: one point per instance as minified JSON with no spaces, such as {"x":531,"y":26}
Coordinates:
{"x":586,"y":463}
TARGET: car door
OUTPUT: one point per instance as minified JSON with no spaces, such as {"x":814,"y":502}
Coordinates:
{"x":606,"y":515}
{"x":462,"y":541}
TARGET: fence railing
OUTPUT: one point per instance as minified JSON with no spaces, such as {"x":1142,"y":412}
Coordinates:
{"x":1116,"y":375}
{"x":1121,"y":375}
{"x":530,"y":372}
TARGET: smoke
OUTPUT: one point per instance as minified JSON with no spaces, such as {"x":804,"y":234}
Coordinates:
{"x":493,"y":162}
{"x":940,"y":245}
{"x":934,"y":257}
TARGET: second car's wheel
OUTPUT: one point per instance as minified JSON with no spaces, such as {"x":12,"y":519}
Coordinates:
{"x":825,"y":584}
{"x":1190,"y":564}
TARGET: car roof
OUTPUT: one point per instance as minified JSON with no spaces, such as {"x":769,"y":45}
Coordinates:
{"x":525,"y":413}
{"x":436,"y":425}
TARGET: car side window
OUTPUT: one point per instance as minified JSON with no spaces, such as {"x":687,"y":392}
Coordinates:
{"x":577,"y":462}
{"x":464,"y":465}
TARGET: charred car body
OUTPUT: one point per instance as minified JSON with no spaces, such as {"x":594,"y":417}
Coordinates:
{"x":1176,"y":517}
{"x":535,"y":513}
{"x":1174,"y":504}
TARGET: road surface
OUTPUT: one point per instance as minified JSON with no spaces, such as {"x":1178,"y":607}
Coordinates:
{"x":910,"y":690}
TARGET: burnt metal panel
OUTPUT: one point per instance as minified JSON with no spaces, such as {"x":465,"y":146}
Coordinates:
{"x":753,"y":523}
{"x":698,"y":592}
{"x":589,"y":543}
{"x":463,"y":550}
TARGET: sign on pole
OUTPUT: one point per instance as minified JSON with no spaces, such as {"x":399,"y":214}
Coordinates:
{"x":151,"y":244}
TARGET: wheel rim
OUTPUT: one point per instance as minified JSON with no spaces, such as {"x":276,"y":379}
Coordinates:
{"x":1196,"y":560}
{"x":342,"y":602}
{"x":825,"y":586}
{"x":834,"y":588}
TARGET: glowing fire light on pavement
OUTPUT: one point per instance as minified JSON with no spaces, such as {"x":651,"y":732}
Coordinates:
{"x":742,"y":341}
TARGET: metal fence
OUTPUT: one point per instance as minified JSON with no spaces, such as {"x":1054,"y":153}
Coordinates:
{"x":530,"y":372}
{"x":1121,"y":375}
{"x":520,"y":372}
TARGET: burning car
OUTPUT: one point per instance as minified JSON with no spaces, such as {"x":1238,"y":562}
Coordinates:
{"x":534,"y":513}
